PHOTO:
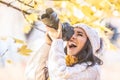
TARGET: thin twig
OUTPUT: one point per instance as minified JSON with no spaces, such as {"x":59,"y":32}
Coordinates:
{"x":25,"y":3}
{"x":3,"y":53}
{"x":9,"y":5}
{"x":26,"y":19}
{"x":30,"y":2}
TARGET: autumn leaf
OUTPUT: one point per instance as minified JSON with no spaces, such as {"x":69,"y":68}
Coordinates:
{"x":112,"y":47}
{"x":103,"y":28}
{"x":70,"y":60}
{"x":57,"y":3}
{"x":75,"y":3}
{"x":18,"y":41}
{"x":73,"y":20}
{"x":32,"y":17}
{"x":95,"y":3}
{"x":87,"y":11}
{"x":36,"y":5}
{"x":117,"y":5}
{"x":27,"y":29}
{"x":9,"y":61}
{"x":24,"y":50}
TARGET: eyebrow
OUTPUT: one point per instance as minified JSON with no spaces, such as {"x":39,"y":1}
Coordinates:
{"x":80,"y":32}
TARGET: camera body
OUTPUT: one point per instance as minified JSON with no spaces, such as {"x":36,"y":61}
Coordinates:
{"x":51,"y":19}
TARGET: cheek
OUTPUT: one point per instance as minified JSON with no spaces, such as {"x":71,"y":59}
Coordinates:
{"x":81,"y":43}
{"x":67,"y":46}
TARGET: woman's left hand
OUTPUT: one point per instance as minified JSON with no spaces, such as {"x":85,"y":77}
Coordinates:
{"x":53,"y":33}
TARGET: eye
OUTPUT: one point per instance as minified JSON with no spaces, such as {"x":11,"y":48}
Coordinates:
{"x":79,"y":34}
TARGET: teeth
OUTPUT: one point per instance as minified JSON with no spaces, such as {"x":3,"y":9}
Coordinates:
{"x":72,"y":45}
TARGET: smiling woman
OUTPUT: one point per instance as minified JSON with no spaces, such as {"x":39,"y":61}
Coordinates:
{"x":77,"y":42}
{"x":76,"y":61}
{"x":82,"y":46}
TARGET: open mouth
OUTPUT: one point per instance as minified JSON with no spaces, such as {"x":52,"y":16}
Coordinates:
{"x":72,"y":45}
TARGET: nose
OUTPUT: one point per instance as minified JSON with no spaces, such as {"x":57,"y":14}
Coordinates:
{"x":73,"y":37}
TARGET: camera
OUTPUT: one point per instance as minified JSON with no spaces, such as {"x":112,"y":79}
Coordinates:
{"x":51,"y":19}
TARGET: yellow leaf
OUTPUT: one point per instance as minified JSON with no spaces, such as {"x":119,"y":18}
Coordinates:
{"x":75,"y":3}
{"x":27,"y":29}
{"x":18,"y":41}
{"x":36,"y":6}
{"x":87,"y":11}
{"x":117,"y":5}
{"x":9,"y":61}
{"x":3,"y":38}
{"x":112,"y":1}
{"x":62,"y":17}
{"x":70,"y":60}
{"x":103,"y":28}
{"x":24,"y":50}
{"x":57,"y":3}
{"x":32,"y":17}
{"x":112,"y":47}
{"x":106,"y":8}
{"x":95,"y":3}
{"x":73,"y":20}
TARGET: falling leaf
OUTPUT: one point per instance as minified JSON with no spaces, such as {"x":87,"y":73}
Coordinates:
{"x":18,"y":41}
{"x":3,"y":38}
{"x":9,"y":61}
{"x":24,"y":50}
{"x":36,"y":5}
{"x":27,"y":29}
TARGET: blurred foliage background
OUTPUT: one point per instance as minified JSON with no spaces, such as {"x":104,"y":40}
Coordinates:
{"x":95,"y":13}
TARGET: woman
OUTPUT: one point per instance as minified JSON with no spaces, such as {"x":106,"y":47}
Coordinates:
{"x":83,"y":44}
{"x":81,"y":49}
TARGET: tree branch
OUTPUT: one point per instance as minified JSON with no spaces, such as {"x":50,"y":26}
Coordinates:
{"x":9,"y":5}
{"x":3,"y":53}
{"x":25,"y":4}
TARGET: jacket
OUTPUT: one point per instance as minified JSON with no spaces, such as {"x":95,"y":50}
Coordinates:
{"x":59,"y":71}
{"x":36,"y":68}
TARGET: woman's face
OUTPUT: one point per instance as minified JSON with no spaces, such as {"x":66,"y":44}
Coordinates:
{"x":77,"y":42}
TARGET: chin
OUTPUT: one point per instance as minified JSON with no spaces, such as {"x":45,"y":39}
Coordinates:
{"x":72,"y":53}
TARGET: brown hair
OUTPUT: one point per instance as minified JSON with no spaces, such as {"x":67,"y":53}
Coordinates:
{"x":86,"y":55}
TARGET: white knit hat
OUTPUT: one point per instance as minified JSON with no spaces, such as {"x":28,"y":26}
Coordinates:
{"x":92,"y":36}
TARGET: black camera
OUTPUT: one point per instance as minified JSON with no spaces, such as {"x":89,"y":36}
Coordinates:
{"x":51,"y":19}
